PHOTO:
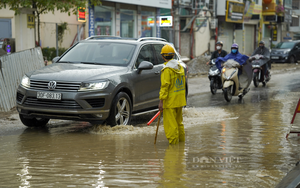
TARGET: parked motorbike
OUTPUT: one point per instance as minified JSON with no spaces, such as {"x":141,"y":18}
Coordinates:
{"x":214,"y":75}
{"x":258,"y":68}
{"x":234,"y":85}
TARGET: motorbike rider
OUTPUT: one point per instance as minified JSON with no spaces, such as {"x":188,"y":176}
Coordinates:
{"x":265,"y":52}
{"x":219,"y":52}
{"x":234,"y":55}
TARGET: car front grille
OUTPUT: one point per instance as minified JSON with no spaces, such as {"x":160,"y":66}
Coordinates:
{"x":96,"y":103}
{"x":68,"y":104}
{"x":19,"y":97}
{"x":60,"y":86}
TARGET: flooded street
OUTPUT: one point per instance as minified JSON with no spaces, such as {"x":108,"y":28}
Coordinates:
{"x":236,"y":144}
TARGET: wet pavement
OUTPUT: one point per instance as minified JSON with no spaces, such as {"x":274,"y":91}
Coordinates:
{"x":236,"y":144}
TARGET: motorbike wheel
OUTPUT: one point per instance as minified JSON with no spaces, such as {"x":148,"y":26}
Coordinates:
{"x":228,"y":94}
{"x":213,"y":87}
{"x":255,"y":79}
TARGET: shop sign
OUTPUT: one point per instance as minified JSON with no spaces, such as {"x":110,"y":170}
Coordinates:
{"x":199,"y":22}
{"x":91,"y":21}
{"x":235,"y":12}
{"x":249,"y":10}
{"x":165,"y":21}
{"x":272,"y":18}
{"x":288,"y":15}
{"x":30,"y":21}
{"x":150,"y":21}
{"x":274,"y":37}
{"x":153,"y":3}
{"x":81,"y":14}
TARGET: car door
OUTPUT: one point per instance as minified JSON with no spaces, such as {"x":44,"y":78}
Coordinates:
{"x":159,"y":65}
{"x":297,"y":51}
{"x":145,"y":82}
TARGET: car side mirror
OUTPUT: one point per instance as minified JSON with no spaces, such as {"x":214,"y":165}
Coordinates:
{"x":54,"y":60}
{"x":145,"y":65}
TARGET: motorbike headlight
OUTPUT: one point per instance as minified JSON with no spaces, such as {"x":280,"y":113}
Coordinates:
{"x":213,"y":73}
{"x":223,"y":70}
{"x":90,"y":86}
{"x":25,"y":82}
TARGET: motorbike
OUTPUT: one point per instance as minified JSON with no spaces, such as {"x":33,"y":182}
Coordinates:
{"x":258,"y":62}
{"x":214,"y":75}
{"x":233,"y":84}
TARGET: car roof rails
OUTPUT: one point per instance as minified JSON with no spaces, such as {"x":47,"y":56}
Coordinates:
{"x":103,"y":37}
{"x":151,"y":38}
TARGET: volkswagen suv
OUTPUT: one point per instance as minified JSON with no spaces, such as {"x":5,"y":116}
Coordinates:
{"x":102,"y":78}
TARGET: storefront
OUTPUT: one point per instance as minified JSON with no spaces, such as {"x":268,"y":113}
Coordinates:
{"x":132,"y":19}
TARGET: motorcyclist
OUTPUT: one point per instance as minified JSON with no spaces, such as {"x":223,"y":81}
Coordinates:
{"x":265,"y":52}
{"x":234,"y":55}
{"x":219,"y":52}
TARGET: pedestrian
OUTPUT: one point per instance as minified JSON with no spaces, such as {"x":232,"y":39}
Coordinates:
{"x":172,"y":96}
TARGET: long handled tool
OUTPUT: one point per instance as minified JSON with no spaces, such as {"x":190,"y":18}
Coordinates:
{"x":157,"y":128}
{"x":154,"y":117}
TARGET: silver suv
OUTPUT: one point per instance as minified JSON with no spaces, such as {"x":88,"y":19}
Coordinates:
{"x":98,"y":79}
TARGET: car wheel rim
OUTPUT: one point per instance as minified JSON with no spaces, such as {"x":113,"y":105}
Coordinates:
{"x":123,"y":111}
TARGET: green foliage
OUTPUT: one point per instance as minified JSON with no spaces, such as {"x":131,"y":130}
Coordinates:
{"x":50,"y":53}
{"x":45,"y":6}
{"x":61,"y":30}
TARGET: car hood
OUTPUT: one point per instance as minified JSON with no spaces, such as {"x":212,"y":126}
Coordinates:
{"x":75,"y":72}
{"x":280,"y":50}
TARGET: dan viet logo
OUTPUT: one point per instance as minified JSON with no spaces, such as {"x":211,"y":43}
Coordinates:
{"x":214,"y":162}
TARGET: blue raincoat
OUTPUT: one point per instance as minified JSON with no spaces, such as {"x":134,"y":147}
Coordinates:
{"x":238,"y":57}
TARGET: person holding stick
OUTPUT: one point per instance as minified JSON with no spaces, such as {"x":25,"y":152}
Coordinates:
{"x":172,"y":96}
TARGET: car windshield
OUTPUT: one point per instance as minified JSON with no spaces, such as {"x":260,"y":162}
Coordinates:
{"x":285,"y":45}
{"x":102,"y":53}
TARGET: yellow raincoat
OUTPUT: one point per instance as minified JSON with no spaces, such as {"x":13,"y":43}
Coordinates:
{"x":172,"y":93}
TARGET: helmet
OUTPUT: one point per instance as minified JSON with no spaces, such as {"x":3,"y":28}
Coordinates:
{"x":235,"y":45}
{"x":220,"y":42}
{"x":262,"y":42}
{"x":167,"y":50}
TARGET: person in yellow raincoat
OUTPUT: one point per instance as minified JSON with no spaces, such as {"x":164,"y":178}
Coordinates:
{"x":172,"y":96}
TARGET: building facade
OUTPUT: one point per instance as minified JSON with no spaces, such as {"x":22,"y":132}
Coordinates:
{"x":133,"y":19}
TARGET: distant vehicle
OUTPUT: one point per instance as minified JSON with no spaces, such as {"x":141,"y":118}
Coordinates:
{"x":214,"y":76}
{"x":7,"y":45}
{"x":286,"y":52}
{"x":102,"y":78}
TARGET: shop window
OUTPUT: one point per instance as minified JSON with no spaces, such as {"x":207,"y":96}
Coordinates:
{"x":148,"y":22}
{"x":267,"y":31}
{"x":104,"y":17}
{"x":295,"y":4}
{"x":128,"y":19}
{"x":295,"y":22}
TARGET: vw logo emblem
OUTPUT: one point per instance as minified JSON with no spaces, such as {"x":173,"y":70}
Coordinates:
{"x":52,"y":85}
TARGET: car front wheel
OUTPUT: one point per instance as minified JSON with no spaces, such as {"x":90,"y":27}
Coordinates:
{"x":120,"y":112}
{"x":33,"y":122}
{"x":292,"y":59}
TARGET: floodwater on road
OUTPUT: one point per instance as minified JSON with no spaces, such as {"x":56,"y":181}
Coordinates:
{"x":236,"y":144}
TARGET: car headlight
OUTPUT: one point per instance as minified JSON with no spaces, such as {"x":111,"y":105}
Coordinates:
{"x":90,"y":86}
{"x":25,"y":81}
{"x":286,"y":52}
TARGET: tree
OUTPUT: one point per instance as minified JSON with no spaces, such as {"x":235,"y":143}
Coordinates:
{"x":45,"y":6}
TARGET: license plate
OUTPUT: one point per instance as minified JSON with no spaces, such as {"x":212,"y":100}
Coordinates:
{"x":48,"y":95}
{"x":274,"y":57}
